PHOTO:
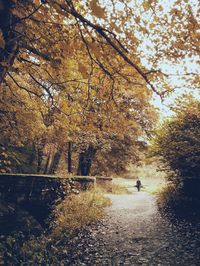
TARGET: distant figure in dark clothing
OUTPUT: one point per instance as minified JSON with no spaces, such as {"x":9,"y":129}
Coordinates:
{"x":138,"y":184}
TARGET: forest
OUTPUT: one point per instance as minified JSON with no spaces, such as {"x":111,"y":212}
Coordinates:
{"x":83,"y":84}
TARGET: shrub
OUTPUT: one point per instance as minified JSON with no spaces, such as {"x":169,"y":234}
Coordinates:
{"x":177,"y":142}
{"x":166,"y":195}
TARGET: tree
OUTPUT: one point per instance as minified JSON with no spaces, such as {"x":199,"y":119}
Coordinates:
{"x":108,"y":127}
{"x":177,"y":142}
{"x":86,"y":116}
{"x":73,"y":70}
{"x":123,"y":151}
{"x":100,"y":32}
{"x":108,"y":37}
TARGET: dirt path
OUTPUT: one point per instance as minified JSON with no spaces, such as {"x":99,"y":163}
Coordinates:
{"x":133,"y":233}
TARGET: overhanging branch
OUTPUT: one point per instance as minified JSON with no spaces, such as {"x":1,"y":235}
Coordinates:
{"x":102,"y":32}
{"x":35,"y":51}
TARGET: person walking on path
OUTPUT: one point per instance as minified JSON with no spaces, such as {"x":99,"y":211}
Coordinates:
{"x":138,"y":184}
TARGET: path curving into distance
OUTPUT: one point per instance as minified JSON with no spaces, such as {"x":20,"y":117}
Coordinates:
{"x":133,"y":233}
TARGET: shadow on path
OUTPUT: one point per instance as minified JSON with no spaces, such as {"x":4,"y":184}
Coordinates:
{"x":134,"y":233}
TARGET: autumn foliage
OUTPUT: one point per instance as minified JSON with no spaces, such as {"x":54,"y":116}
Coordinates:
{"x":77,"y":79}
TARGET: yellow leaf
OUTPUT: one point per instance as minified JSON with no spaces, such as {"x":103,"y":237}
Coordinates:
{"x":2,"y":42}
{"x":146,"y":5}
{"x":83,"y":70}
{"x":115,"y":27}
{"x":95,"y":49}
{"x":137,"y":19}
{"x":151,"y":26}
{"x":97,"y":10}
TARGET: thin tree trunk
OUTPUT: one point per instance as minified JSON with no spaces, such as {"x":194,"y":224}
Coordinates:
{"x":40,"y":154}
{"x":46,"y":168}
{"x":55,"y":161}
{"x":69,"y":157}
{"x":32,"y":157}
{"x":39,"y":159}
{"x":85,"y":161}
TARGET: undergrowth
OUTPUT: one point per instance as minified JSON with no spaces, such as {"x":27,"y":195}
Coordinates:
{"x":166,"y":194}
{"x":79,"y":210}
{"x":69,"y":221}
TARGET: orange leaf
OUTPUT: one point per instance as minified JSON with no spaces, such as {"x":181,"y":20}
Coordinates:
{"x":97,"y":10}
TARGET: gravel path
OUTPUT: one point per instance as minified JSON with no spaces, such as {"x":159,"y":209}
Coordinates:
{"x":133,"y":233}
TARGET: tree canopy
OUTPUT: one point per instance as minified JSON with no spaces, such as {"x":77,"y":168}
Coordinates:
{"x":96,"y":35}
{"x":84,"y":73}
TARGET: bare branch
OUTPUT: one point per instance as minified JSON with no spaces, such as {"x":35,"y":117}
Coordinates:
{"x":44,"y":87}
{"x":22,"y":87}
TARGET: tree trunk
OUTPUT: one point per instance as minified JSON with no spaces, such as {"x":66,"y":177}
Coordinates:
{"x":39,"y":159}
{"x":46,"y":168}
{"x":9,"y":50}
{"x":40,"y":153}
{"x":32,"y":157}
{"x":85,"y":161}
{"x":69,"y":158}
{"x":55,"y":160}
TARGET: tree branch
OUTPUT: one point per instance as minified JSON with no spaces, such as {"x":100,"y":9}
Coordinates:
{"x":22,"y":87}
{"x":33,"y":50}
{"x":102,"y":32}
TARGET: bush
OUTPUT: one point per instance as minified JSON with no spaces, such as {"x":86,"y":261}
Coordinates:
{"x":177,"y":142}
{"x":166,"y":195}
